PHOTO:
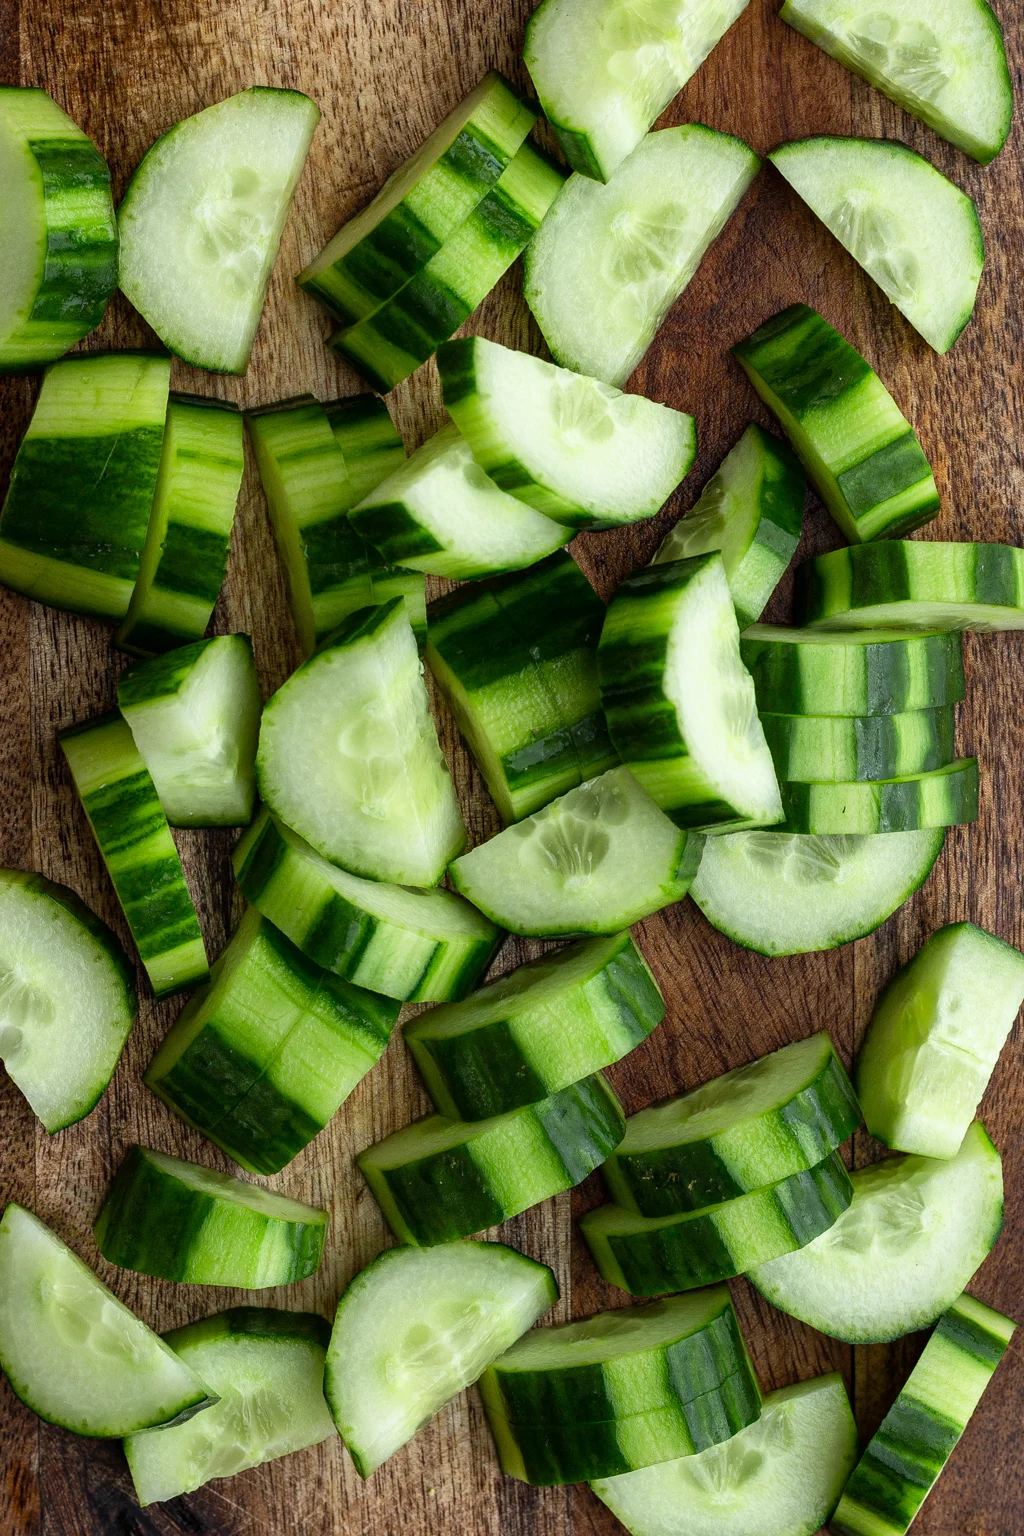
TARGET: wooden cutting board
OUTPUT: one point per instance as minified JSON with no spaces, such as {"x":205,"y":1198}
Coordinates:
{"x":384,"y":72}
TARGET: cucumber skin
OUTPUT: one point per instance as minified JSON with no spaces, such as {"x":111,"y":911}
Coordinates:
{"x":875,"y":745}
{"x":896,"y":676}
{"x":947,"y":797}
{"x":828,"y":588}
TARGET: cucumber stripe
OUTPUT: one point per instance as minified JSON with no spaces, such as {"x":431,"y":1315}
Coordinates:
{"x":816,"y":748}
{"x":946,"y":797}
{"x":800,"y":672}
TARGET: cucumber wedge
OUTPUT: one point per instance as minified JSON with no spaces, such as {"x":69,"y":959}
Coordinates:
{"x":881,"y":672}
{"x":918,"y":585}
{"x":820,"y":748}
{"x":947,"y":797}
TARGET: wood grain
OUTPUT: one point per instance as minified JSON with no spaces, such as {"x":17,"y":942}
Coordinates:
{"x":384,"y":72}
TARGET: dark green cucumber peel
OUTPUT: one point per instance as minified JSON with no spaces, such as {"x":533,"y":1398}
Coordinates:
{"x":831,"y":589}
{"x":947,"y":797}
{"x":816,"y":748}
{"x":881,"y":673}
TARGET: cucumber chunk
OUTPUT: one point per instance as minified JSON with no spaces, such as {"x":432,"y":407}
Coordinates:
{"x":72,"y":1352}
{"x":266,"y":1367}
{"x":58,"y":246}
{"x":917,"y":585}
{"x":935,"y":1037}
{"x":202,"y":219}
{"x":349,"y":758}
{"x":881,"y":672}
{"x":576,"y":449}
{"x":858,"y":448}
{"x":415,"y":1328}
{"x":610,"y":260}
{"x":945,"y":798}
{"x":821,"y":749}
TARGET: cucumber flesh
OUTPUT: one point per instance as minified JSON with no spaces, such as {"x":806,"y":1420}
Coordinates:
{"x":946,"y":797}
{"x":847,"y":675}
{"x":823,"y":749}
{"x":916,"y":585}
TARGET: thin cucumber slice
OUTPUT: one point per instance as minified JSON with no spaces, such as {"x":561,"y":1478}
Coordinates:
{"x":418,"y":1326}
{"x":679,"y":702}
{"x":58,"y":247}
{"x":917,"y":585}
{"x":910,"y":228}
{"x":202,"y":220}
{"x":595,"y":861}
{"x":915,"y":1233}
{"x":73,"y":527}
{"x":349,"y":758}
{"x":576,"y":449}
{"x":752,"y":510}
{"x":945,"y":798}
{"x":857,"y":446}
{"x":750,"y":1127}
{"x":439,"y":1179}
{"x":935,"y":1037}
{"x":266,"y":1367}
{"x":72,"y":1352}
{"x":172,"y":1219}
{"x":67,"y":998}
{"x":538,"y":1029}
{"x":369,"y":440}
{"x":132,"y":834}
{"x":881,"y":672}
{"x":825,"y":749}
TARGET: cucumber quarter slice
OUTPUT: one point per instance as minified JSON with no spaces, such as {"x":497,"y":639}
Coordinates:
{"x":67,"y":997}
{"x":910,"y":228}
{"x":916,"y":584}
{"x":202,"y":220}
{"x":266,"y":1367}
{"x":610,"y":260}
{"x":577,"y":450}
{"x":72,"y":1352}
{"x":914,"y":1234}
{"x":945,"y":798}
{"x":880,"y":672}
{"x":58,"y":249}
{"x":595,"y":861}
{"x":418,"y":1326}
{"x":821,"y":748}
{"x":935,"y":1037}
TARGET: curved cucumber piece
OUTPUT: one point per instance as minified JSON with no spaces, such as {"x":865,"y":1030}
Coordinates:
{"x":881,"y":672}
{"x":945,"y":798}
{"x":58,"y":250}
{"x":609,"y":261}
{"x":810,"y":749}
{"x":914,"y":585}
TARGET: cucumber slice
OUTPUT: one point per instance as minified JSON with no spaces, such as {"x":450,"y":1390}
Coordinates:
{"x":369,"y":441}
{"x":58,"y":249}
{"x":438,"y":1179}
{"x":917,"y":1230}
{"x":935,"y":1037}
{"x":131,"y":831}
{"x":175,"y":1220}
{"x":72,"y":1352}
{"x":606,"y":69}
{"x":202,"y":219}
{"x":750,"y":1127}
{"x":611,"y":260}
{"x":67,"y":998}
{"x":915,"y":585}
{"x":349,"y":758}
{"x":779,"y":1477}
{"x":538,"y":1029}
{"x":945,"y":798}
{"x":819,"y":749}
{"x":73,"y":527}
{"x":595,"y":861}
{"x":882,"y":672}
{"x":572,"y":447}
{"x":652,"y":1255}
{"x":857,"y":446}
{"x":266,"y":1367}
{"x":416,"y":1327}
{"x":913,"y":231}
{"x":195,"y":717}
{"x":751,"y":510}
{"x":948,"y":67}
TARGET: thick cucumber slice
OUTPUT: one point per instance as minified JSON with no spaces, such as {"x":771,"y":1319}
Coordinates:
{"x":72,"y":1352}
{"x":595,"y":861}
{"x":824,"y":749}
{"x":202,"y":220}
{"x":538,"y":1029}
{"x":438,"y":1179}
{"x":945,"y":798}
{"x":58,"y":246}
{"x":752,"y":510}
{"x":611,"y":260}
{"x":67,"y":997}
{"x":415,"y":1328}
{"x":854,"y":441}
{"x":779,"y":1477}
{"x":349,"y":757}
{"x":913,"y":231}
{"x":882,"y":672}
{"x":74,"y":523}
{"x":935,"y":1037}
{"x":918,"y":585}
{"x":132,"y":834}
{"x":743,"y":1130}
{"x":572,"y":447}
{"x":266,"y":1367}
{"x":172,"y":1219}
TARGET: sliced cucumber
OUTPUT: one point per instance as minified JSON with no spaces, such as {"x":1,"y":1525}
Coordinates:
{"x":611,"y":260}
{"x":369,"y":440}
{"x":576,"y":449}
{"x":202,"y":220}
{"x":882,"y":672}
{"x":821,"y":748}
{"x":917,"y":585}
{"x":945,"y":798}
{"x":349,"y":757}
{"x":415,"y":1328}
{"x":857,"y":446}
